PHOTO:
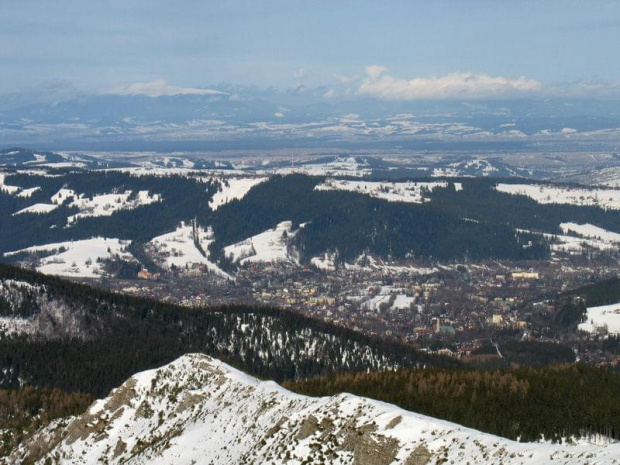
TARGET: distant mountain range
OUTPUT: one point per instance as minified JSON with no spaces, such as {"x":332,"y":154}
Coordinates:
{"x":236,"y":116}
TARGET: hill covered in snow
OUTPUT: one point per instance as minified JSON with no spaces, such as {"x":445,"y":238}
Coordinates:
{"x":200,"y":410}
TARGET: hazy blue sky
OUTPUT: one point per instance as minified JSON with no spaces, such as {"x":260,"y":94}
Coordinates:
{"x":102,"y":45}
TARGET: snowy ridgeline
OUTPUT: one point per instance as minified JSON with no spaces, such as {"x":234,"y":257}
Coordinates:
{"x":199,"y":410}
{"x":606,"y":318}
{"x":411,"y":192}
{"x":544,"y":194}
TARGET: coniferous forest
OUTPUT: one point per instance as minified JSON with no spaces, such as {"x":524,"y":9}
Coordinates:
{"x":554,"y":402}
{"x":475,"y":222}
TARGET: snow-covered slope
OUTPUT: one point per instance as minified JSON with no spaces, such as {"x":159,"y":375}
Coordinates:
{"x":199,"y":410}
{"x":412,"y":192}
{"x":605,"y":316}
{"x":233,"y":189}
{"x":267,"y":247}
{"x":79,"y":259}
{"x":108,"y":204}
{"x":591,"y":231}
{"x":7,"y":189}
{"x":37,"y":209}
{"x":180,"y":248}
{"x":546,"y":194}
{"x":31,"y":311}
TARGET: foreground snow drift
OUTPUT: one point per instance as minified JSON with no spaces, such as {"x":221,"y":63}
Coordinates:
{"x":199,"y":410}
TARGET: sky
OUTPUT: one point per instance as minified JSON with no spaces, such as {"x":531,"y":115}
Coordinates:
{"x":390,"y":49}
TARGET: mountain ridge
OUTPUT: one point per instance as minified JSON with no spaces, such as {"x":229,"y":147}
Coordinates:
{"x":200,"y":410}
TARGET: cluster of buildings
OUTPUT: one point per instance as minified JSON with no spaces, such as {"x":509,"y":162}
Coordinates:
{"x":450,"y":308}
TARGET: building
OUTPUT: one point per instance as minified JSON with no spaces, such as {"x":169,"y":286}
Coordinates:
{"x":524,"y":275}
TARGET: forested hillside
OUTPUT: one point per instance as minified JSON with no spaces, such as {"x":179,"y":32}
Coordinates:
{"x":183,"y":199}
{"x":474,"y":221}
{"x":555,"y":403}
{"x":600,"y":293}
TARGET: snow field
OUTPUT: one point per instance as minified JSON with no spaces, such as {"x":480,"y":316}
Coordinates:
{"x":37,"y":208}
{"x":411,"y":192}
{"x":233,"y":189}
{"x":269,"y":246}
{"x":78,"y":259}
{"x":543,"y":194}
{"x":603,"y":316}
{"x":178,"y":248}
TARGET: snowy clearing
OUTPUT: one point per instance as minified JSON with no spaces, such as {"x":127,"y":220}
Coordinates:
{"x":590,"y":231}
{"x":178,"y":248}
{"x":38,"y":208}
{"x":267,"y":247}
{"x":78,"y":259}
{"x":108,"y":204}
{"x":543,"y":194}
{"x":7,"y":189}
{"x":62,"y":196}
{"x":387,"y":298}
{"x":411,"y":192}
{"x":606,"y":316}
{"x":27,"y":193}
{"x":103,"y":204}
{"x":233,"y":189}
{"x":325,"y":263}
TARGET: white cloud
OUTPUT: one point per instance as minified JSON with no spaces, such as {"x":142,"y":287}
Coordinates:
{"x":331,"y":93}
{"x":454,"y":85}
{"x":160,"y":88}
{"x":300,"y":74}
{"x":374,"y":71}
{"x":347,"y":79}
